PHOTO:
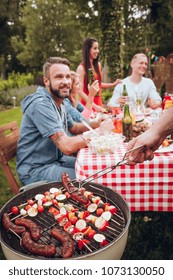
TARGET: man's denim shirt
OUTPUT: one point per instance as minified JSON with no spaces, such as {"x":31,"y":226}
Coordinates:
{"x":41,"y":119}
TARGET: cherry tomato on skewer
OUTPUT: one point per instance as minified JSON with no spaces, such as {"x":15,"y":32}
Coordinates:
{"x":15,"y":210}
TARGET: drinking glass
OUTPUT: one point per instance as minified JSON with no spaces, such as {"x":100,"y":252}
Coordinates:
{"x":118,"y":125}
{"x":139,"y":100}
{"x":132,"y":107}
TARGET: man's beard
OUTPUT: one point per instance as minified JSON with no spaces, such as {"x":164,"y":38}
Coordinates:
{"x":57,"y":93}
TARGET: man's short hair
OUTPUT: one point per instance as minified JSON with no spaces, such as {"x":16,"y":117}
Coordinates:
{"x":137,"y":55}
{"x":53,"y":60}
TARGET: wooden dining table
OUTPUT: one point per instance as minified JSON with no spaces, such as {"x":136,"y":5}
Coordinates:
{"x":145,"y":187}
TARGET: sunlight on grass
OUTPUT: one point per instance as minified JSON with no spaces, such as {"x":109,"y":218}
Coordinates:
{"x":14,"y":114}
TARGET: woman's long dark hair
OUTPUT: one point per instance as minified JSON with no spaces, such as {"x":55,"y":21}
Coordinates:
{"x":87,"y":45}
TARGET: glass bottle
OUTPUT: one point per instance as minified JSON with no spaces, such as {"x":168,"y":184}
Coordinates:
{"x":166,"y":97}
{"x":127,"y":124}
{"x":124,"y":93}
{"x":90,"y":76}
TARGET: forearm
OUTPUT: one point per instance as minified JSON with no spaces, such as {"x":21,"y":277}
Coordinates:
{"x":107,"y":85}
{"x":68,"y":145}
{"x":78,"y":128}
{"x":111,"y":85}
{"x":83,"y":96}
{"x":115,"y":100}
{"x":89,"y":103}
{"x":154,"y":103}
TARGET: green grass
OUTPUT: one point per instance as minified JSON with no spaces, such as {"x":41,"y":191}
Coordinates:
{"x":150,"y":233}
{"x":9,"y":115}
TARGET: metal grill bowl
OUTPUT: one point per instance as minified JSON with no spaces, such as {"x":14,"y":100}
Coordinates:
{"x":117,"y":237}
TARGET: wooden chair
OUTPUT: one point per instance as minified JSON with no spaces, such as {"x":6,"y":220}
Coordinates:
{"x":9,"y":134}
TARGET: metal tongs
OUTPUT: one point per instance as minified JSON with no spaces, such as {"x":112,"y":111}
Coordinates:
{"x":89,"y":127}
{"x":108,"y":169}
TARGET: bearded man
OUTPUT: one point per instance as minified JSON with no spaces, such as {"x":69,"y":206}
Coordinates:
{"x":45,"y":150}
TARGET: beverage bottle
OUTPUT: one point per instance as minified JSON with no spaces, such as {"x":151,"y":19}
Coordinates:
{"x":166,"y":97}
{"x":118,"y":124}
{"x":90,"y":76}
{"x":168,"y":104}
{"x":124,"y":93}
{"x":127,"y":124}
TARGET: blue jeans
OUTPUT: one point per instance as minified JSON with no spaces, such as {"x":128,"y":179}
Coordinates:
{"x":53,"y":171}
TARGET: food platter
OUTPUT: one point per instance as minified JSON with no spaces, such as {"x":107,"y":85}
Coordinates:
{"x":167,"y":149}
{"x":106,"y":144}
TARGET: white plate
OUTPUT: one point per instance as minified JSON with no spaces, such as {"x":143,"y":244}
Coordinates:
{"x":139,"y":119}
{"x":167,"y":149}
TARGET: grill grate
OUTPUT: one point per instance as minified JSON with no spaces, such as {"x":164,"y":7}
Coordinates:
{"x":46,"y":222}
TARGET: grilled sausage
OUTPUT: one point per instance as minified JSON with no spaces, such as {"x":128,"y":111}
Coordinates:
{"x":68,"y":243}
{"x":37,"y":248}
{"x":76,"y":195}
{"x":33,"y":227}
{"x":7,"y":224}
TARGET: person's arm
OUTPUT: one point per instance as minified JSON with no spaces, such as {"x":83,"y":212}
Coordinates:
{"x":115,"y":99}
{"x":79,"y":127}
{"x":49,"y":124}
{"x":154,"y":100}
{"x":98,"y":108}
{"x":154,"y":104}
{"x":111,"y":85}
{"x":108,"y":85}
{"x":152,"y":138}
{"x":93,"y":89}
{"x":68,"y":145}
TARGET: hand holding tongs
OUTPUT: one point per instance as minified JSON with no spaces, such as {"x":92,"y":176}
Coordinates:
{"x":110,"y":168}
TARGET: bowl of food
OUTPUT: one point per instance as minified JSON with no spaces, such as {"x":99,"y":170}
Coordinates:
{"x":106,"y":144}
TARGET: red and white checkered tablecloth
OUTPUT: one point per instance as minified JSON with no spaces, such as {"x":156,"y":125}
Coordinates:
{"x":145,"y":187}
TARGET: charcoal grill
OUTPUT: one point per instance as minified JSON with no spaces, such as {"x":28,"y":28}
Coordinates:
{"x":116,"y":235}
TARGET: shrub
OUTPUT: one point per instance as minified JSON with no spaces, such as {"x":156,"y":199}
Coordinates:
{"x":16,"y":80}
{"x":18,"y":85}
{"x":106,"y":95}
{"x":6,"y":97}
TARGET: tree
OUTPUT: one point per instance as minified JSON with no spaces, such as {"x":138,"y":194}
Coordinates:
{"x":124,"y":32}
{"x":9,"y":26}
{"x":161,"y":19}
{"x":53,"y":28}
{"x":32,"y":30}
{"x":111,"y":19}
